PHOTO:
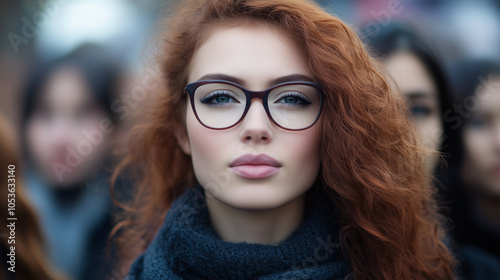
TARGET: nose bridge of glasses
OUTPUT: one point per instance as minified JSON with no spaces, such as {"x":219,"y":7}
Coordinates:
{"x":257,"y":94}
{"x":260,"y":104}
{"x":256,"y":122}
{"x":258,"y":112}
{"x":262,"y":95}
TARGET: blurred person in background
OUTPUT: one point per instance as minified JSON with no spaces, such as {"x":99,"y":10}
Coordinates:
{"x":417,"y":72}
{"x":30,"y":260}
{"x":67,"y":124}
{"x":474,"y":174}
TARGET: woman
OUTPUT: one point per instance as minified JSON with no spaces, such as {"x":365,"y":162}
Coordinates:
{"x":416,"y":71}
{"x":418,"y":74}
{"x":67,"y":124}
{"x":279,"y":152}
{"x":22,"y":252}
{"x":476,"y":184}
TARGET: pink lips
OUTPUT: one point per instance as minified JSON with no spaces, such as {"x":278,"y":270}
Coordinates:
{"x":496,"y":171}
{"x":255,"y":166}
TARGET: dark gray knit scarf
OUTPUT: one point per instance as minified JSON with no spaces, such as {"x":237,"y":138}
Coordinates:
{"x":187,"y":247}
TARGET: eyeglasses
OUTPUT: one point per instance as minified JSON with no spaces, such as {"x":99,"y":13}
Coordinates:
{"x":219,"y":104}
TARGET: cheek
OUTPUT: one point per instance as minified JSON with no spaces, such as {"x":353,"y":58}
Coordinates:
{"x":89,"y":126}
{"x":477,"y":150}
{"x":89,"y":131}
{"x":210,"y":149}
{"x":38,"y":140}
{"x":432,"y":131}
{"x":302,"y":152}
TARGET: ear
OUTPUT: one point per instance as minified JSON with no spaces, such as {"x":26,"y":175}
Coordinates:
{"x":183,"y":141}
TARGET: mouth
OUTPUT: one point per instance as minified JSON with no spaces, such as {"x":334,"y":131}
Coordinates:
{"x":496,"y":170}
{"x":255,"y":166}
{"x":60,"y":158}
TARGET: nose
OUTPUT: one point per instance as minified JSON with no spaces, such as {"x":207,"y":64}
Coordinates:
{"x":256,"y":126}
{"x":496,"y":138}
{"x":60,"y":133}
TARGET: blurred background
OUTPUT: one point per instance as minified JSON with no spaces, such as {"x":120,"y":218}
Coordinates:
{"x":75,"y":69}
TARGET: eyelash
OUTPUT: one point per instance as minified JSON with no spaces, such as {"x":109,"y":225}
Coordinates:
{"x":212,"y":95}
{"x":302,"y":98}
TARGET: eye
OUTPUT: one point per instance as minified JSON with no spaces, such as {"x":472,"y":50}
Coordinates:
{"x":222,"y":99}
{"x":420,"y":111}
{"x":85,"y":111}
{"x":44,"y":112}
{"x":293,"y":98}
{"x":219,"y":97}
{"x":477,"y":122}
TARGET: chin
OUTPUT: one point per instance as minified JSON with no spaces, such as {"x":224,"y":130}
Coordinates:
{"x":255,"y":198}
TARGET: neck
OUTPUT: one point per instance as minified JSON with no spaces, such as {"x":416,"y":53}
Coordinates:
{"x":255,"y":226}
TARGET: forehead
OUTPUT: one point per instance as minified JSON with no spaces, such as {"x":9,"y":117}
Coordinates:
{"x":67,"y":87}
{"x":410,"y":73}
{"x":254,"y":53}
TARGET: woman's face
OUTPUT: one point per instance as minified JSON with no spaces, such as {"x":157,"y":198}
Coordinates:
{"x":418,"y":87}
{"x":62,"y":131}
{"x":256,"y":56}
{"x":482,"y":140}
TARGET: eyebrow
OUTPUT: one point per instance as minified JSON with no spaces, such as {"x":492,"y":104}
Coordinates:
{"x":279,"y":80}
{"x":290,"y":78}
{"x":223,"y":77}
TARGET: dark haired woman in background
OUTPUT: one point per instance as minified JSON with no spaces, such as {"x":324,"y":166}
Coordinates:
{"x":474,"y":174}
{"x":67,"y":124}
{"x":418,"y":74}
{"x":417,"y":71}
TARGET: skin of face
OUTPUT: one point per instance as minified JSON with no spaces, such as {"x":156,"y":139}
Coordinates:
{"x":418,"y":87}
{"x":65,"y":109}
{"x":481,"y":137}
{"x":256,"y":55}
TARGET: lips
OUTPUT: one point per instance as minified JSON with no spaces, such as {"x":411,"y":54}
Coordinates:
{"x":255,"y":166}
{"x":496,"y":170}
{"x":60,"y":158}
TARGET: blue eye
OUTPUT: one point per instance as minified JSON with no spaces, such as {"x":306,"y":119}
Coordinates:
{"x":294,"y":98}
{"x":218,"y":97}
{"x":476,"y":122}
{"x":420,"y":111}
{"x":222,"y":99}
{"x":291,"y":99}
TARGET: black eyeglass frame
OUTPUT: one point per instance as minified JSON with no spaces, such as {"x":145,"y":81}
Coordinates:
{"x":263,"y":95}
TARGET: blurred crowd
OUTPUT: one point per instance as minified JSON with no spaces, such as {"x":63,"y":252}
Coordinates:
{"x":72,"y":72}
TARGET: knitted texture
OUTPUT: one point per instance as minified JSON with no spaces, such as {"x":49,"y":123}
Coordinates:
{"x":187,"y":247}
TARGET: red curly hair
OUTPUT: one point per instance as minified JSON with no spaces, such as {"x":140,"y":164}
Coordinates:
{"x":373,"y":162}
